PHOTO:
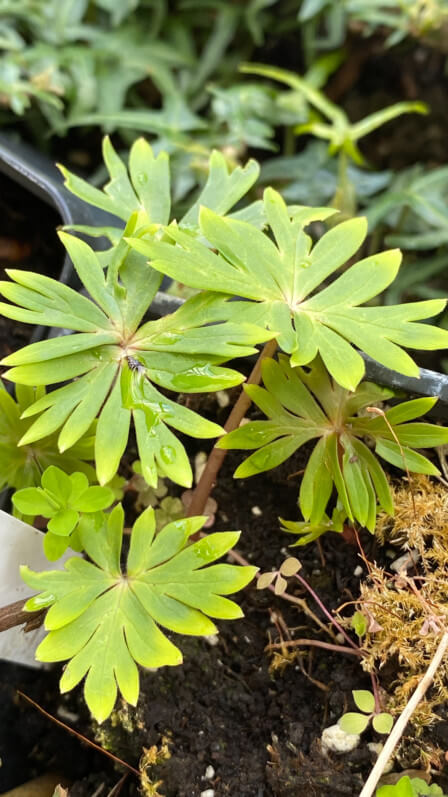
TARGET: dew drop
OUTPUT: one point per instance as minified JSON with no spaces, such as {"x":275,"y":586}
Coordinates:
{"x":168,"y":454}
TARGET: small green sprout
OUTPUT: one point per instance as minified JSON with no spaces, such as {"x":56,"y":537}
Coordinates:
{"x":355,"y":722}
{"x":410,"y":787}
{"x":64,"y":499}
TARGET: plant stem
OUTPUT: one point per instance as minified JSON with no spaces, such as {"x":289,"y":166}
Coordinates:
{"x":400,"y":725}
{"x":13,"y":614}
{"x":292,"y":643}
{"x":210,"y":473}
{"x":326,"y":612}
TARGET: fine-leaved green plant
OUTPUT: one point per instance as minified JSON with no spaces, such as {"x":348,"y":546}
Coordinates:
{"x":303,"y":404}
{"x":64,"y":500}
{"x":104,"y":620}
{"x":286,"y":282}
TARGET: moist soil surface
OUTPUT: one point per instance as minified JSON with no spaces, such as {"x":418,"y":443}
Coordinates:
{"x":236,"y":718}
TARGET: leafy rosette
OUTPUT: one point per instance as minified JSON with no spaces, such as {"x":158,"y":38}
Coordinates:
{"x":303,"y":404}
{"x":105,"y":621}
{"x":117,"y":362}
{"x":286,"y":281}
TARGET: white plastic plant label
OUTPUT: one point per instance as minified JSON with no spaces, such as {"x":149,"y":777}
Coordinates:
{"x":20,"y":544}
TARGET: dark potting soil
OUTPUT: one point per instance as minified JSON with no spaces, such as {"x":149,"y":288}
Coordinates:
{"x":254,"y":718}
{"x":28,"y":240}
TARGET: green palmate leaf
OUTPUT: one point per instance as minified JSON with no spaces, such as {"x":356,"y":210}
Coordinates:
{"x":64,"y":499}
{"x":143,"y":188}
{"x":22,"y":465}
{"x":117,"y":361}
{"x":305,"y":404}
{"x":105,"y":621}
{"x":280,"y":279}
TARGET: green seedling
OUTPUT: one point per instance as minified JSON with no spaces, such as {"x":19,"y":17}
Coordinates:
{"x":117,"y":361}
{"x":303,"y":404}
{"x":22,"y":464}
{"x":410,"y":787}
{"x":286,"y":283}
{"x":64,"y":500}
{"x":355,"y":722}
{"x":104,"y":621}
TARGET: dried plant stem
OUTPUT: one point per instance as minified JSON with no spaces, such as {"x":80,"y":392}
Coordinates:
{"x":400,"y":725}
{"x":316,"y":643}
{"x":13,"y":614}
{"x":210,"y":473}
{"x":78,"y":735}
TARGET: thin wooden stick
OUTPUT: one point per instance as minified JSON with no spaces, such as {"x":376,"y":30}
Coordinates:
{"x":14,"y":614}
{"x":79,"y":735}
{"x":210,"y":473}
{"x":400,"y":725}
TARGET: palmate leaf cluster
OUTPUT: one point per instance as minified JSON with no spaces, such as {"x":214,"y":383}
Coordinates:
{"x":144,"y":188}
{"x":286,"y":281}
{"x":105,"y":621}
{"x":410,"y":787}
{"x":303,"y":404}
{"x":118,"y":362}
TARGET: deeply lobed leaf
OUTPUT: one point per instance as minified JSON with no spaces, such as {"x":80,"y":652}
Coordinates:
{"x":305,"y":404}
{"x":106,"y":621}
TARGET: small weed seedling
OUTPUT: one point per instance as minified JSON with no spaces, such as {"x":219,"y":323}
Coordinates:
{"x":355,"y":722}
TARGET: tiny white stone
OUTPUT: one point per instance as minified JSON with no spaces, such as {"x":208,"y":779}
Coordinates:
{"x":408,"y":559}
{"x":358,"y":571}
{"x":222,"y":398}
{"x":340,"y":638}
{"x":335,"y":740}
{"x":208,"y":793}
{"x":209,"y":772}
{"x":256,"y":511}
{"x":212,"y":639}
{"x":376,"y":747}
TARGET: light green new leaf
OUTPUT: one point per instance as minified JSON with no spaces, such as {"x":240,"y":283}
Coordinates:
{"x":303,"y":404}
{"x":364,"y":700}
{"x":281,"y":278}
{"x":144,"y":188}
{"x":105,"y":621}
{"x":63,"y":499}
{"x":353,"y":723}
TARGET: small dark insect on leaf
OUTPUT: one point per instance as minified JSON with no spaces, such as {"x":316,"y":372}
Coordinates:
{"x":353,"y":459}
{"x":134,"y":364}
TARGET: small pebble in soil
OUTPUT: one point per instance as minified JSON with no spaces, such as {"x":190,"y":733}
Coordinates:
{"x":335,"y":740}
{"x":208,"y":793}
{"x":358,"y":571}
{"x":375,"y":748}
{"x":212,"y":639}
{"x":209,"y":773}
{"x":256,"y":511}
{"x":222,"y":398}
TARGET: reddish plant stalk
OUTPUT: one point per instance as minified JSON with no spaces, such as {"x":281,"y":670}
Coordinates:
{"x":210,"y":473}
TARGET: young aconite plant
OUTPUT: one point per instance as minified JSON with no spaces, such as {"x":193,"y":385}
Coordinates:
{"x":303,"y":404}
{"x":105,"y":621}
{"x":117,"y":361}
{"x":286,"y":281}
